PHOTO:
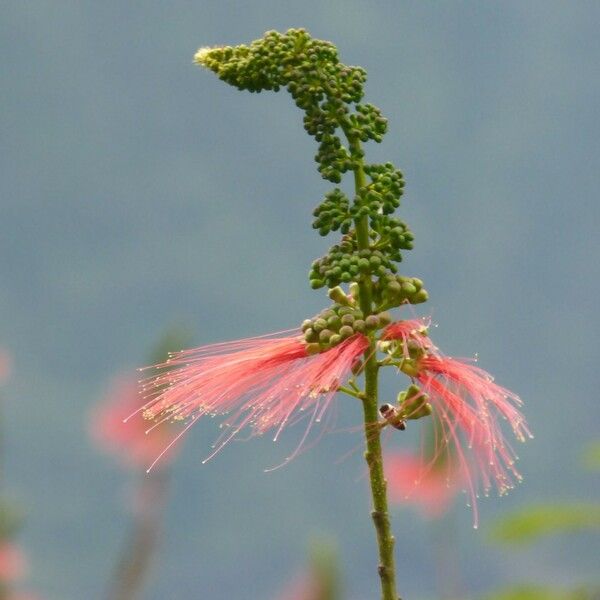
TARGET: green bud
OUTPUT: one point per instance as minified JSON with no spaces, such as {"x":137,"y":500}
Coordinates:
{"x":384,"y":318}
{"x":419,"y":297}
{"x":372,"y":322}
{"x":313,"y":349}
{"x":334,"y":323}
{"x":359,"y":325}
{"x":325,"y":336}
{"x":338,"y":295}
{"x":346,"y":331}
{"x":408,"y":288}
{"x":335,"y":339}
{"x":347,"y":319}
{"x":319,"y":325}
{"x":310,"y":335}
{"x":306,"y":324}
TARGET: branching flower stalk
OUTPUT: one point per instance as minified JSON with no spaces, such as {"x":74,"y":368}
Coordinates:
{"x":267,"y":382}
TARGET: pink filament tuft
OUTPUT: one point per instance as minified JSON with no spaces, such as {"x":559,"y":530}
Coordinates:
{"x":259,"y":382}
{"x":412,"y":332}
{"x":467,"y":406}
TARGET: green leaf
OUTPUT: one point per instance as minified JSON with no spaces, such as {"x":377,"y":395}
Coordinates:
{"x":529,"y":524}
{"x":534,"y":592}
{"x":591,"y":456}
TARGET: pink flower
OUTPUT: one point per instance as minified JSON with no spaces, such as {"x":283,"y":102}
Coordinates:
{"x":262,"y":383}
{"x":429,"y":485}
{"x":302,"y":588}
{"x":5,"y":365}
{"x":412,"y":333}
{"x":130,"y":441}
{"x":13,"y":564}
{"x":467,"y":405}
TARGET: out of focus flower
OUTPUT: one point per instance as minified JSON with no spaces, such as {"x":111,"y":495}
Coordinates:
{"x":302,"y":588}
{"x":467,"y":405}
{"x":13,"y":564}
{"x":262,"y":383}
{"x":130,"y":441}
{"x":428,"y":485}
{"x":5,"y":364}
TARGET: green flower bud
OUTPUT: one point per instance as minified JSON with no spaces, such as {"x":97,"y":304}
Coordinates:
{"x":334,"y":323}
{"x":325,"y":336}
{"x":346,"y":331}
{"x":335,"y":339}
{"x":347,"y":319}
{"x":319,"y":325}
{"x":384,"y":318}
{"x":313,"y":349}
{"x":310,"y":335}
{"x":306,"y":324}
{"x":359,"y":325}
{"x":372,"y":322}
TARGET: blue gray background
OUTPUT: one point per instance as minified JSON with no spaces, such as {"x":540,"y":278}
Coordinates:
{"x":138,"y":191}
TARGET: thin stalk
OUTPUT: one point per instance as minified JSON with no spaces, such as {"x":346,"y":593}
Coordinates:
{"x":137,"y":556}
{"x":373,"y":454}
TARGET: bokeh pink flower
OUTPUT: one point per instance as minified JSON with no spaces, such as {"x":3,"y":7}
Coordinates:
{"x":130,"y":441}
{"x":13,"y":564}
{"x":5,"y":364}
{"x":302,"y":588}
{"x":428,"y":485}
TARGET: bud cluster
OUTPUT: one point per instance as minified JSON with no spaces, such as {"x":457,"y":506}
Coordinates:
{"x":337,"y":323}
{"x":330,"y":94}
{"x":383,"y":194}
{"x":333,"y":213}
{"x":395,"y":290}
{"x":368,"y":123}
{"x":345,"y":263}
{"x":413,"y":403}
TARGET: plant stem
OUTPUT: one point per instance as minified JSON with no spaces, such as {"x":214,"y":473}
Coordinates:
{"x":137,"y":555}
{"x":373,"y":454}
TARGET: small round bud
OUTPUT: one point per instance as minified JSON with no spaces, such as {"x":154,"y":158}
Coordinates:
{"x":334,"y":323}
{"x":384,"y":319}
{"x":346,"y":331}
{"x":347,"y":319}
{"x":335,"y":339}
{"x":310,"y":335}
{"x":359,"y":325}
{"x":372,"y":322}
{"x":325,"y":336}
{"x":319,"y":325}
{"x":306,"y":324}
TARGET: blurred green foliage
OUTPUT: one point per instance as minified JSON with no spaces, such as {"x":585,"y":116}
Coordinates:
{"x":532,"y":592}
{"x":529,"y":524}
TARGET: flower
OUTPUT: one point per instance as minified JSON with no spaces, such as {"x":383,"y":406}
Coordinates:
{"x":131,"y":442}
{"x":262,"y":383}
{"x":5,"y":365}
{"x":428,"y":484}
{"x":302,"y":588}
{"x":13,"y":564}
{"x":467,"y":404}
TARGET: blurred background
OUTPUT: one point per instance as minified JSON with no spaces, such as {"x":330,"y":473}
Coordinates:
{"x":138,"y":193}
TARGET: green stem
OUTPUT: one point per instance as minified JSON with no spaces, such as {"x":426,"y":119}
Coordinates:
{"x":373,"y":454}
{"x":135,"y":562}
